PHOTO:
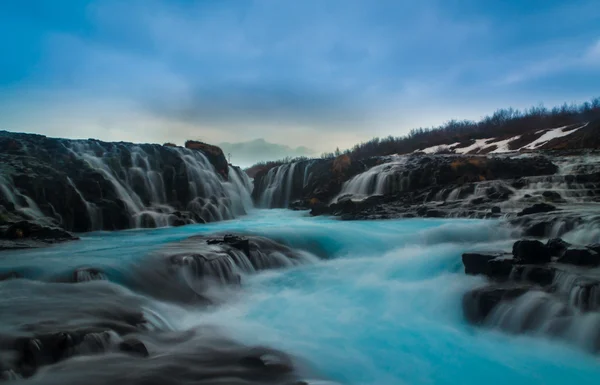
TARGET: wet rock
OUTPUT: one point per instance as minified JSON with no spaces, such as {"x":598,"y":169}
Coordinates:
{"x":236,"y":241}
{"x":479,"y":303}
{"x":536,"y":209}
{"x":47,"y":349}
{"x":494,"y":265}
{"x":580,"y":257}
{"x":134,"y":347}
{"x":320,"y":209}
{"x":28,"y":234}
{"x":86,"y":274}
{"x":4,"y":276}
{"x":31,"y":230}
{"x":214,"y":154}
{"x":433,"y":213}
{"x":556,"y":247}
{"x":531,"y":251}
{"x":552,"y":196}
{"x":50,"y":178}
{"x":208,"y":260}
{"x":496,"y":210}
{"x":540,"y":275}
{"x":595,"y":247}
{"x":178,"y":222}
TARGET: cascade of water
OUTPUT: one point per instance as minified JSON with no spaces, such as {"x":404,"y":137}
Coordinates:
{"x":380,"y":179}
{"x":307,"y":173}
{"x":136,"y":174}
{"x":239,"y":188}
{"x":281,"y":183}
{"x":94,"y":213}
{"x":22,"y":203}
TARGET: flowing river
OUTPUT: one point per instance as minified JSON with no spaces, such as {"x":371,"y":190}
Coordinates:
{"x":379,"y":302}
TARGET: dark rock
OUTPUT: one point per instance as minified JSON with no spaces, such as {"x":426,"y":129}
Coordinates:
{"x":73,"y":194}
{"x":28,"y":234}
{"x":236,"y":241}
{"x":496,"y":210}
{"x":10,"y":275}
{"x":134,"y":347}
{"x":580,"y":257}
{"x":537,"y":229}
{"x":208,"y":260}
{"x":432,"y":213}
{"x":320,"y":209}
{"x":552,"y":196}
{"x":28,"y":229}
{"x":531,"y":251}
{"x":214,"y":154}
{"x":299,"y":205}
{"x":541,"y":275}
{"x":536,"y":209}
{"x":47,"y":349}
{"x":479,"y":303}
{"x":422,"y":211}
{"x":427,"y":176}
{"x":557,"y":247}
{"x":86,"y":274}
{"x":595,"y":247}
{"x":478,"y":201}
{"x":178,"y":222}
{"x":494,"y":265}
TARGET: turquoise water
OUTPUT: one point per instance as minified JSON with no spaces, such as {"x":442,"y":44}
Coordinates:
{"x":383,"y":306}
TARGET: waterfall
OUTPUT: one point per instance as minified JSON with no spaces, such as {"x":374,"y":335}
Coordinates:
{"x":93,"y":212}
{"x":88,"y":185}
{"x":378,"y":180}
{"x":22,"y":203}
{"x":239,"y":187}
{"x":284,"y":183}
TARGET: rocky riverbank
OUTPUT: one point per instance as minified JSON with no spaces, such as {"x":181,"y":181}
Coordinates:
{"x":85,"y":312}
{"x":544,"y":288}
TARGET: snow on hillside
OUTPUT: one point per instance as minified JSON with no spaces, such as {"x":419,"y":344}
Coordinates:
{"x":479,"y":145}
{"x":440,"y":148}
{"x":502,"y":146}
{"x":549,"y":135}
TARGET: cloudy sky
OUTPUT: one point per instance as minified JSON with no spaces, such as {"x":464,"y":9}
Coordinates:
{"x":275,"y":77}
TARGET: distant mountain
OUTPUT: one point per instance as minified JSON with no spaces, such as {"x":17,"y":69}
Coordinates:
{"x":259,"y":150}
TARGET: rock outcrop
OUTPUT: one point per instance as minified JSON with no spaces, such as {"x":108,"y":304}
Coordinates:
{"x":83,"y":185}
{"x":544,"y":288}
{"x":28,"y":234}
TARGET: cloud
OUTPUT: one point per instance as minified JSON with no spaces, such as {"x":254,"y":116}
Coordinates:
{"x":571,"y":58}
{"x":248,"y":153}
{"x":230,"y":105}
{"x":592,"y":56}
{"x":316,"y":73}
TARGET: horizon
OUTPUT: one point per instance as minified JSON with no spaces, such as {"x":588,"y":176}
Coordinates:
{"x":275,"y":79}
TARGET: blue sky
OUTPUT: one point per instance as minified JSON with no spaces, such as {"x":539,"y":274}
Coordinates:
{"x":313,"y":73}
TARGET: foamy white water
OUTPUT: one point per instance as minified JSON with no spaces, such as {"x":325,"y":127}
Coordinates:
{"x":383,"y":308}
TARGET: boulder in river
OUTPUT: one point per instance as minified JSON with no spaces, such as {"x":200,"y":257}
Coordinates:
{"x":531,"y":251}
{"x":536,"y":209}
{"x":580,"y":257}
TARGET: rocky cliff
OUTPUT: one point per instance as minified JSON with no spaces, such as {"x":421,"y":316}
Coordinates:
{"x":83,"y":185}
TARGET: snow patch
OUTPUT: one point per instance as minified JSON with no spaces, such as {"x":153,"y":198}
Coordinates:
{"x":479,"y":143}
{"x":436,"y":149}
{"x":503,"y":145}
{"x":549,"y":135}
